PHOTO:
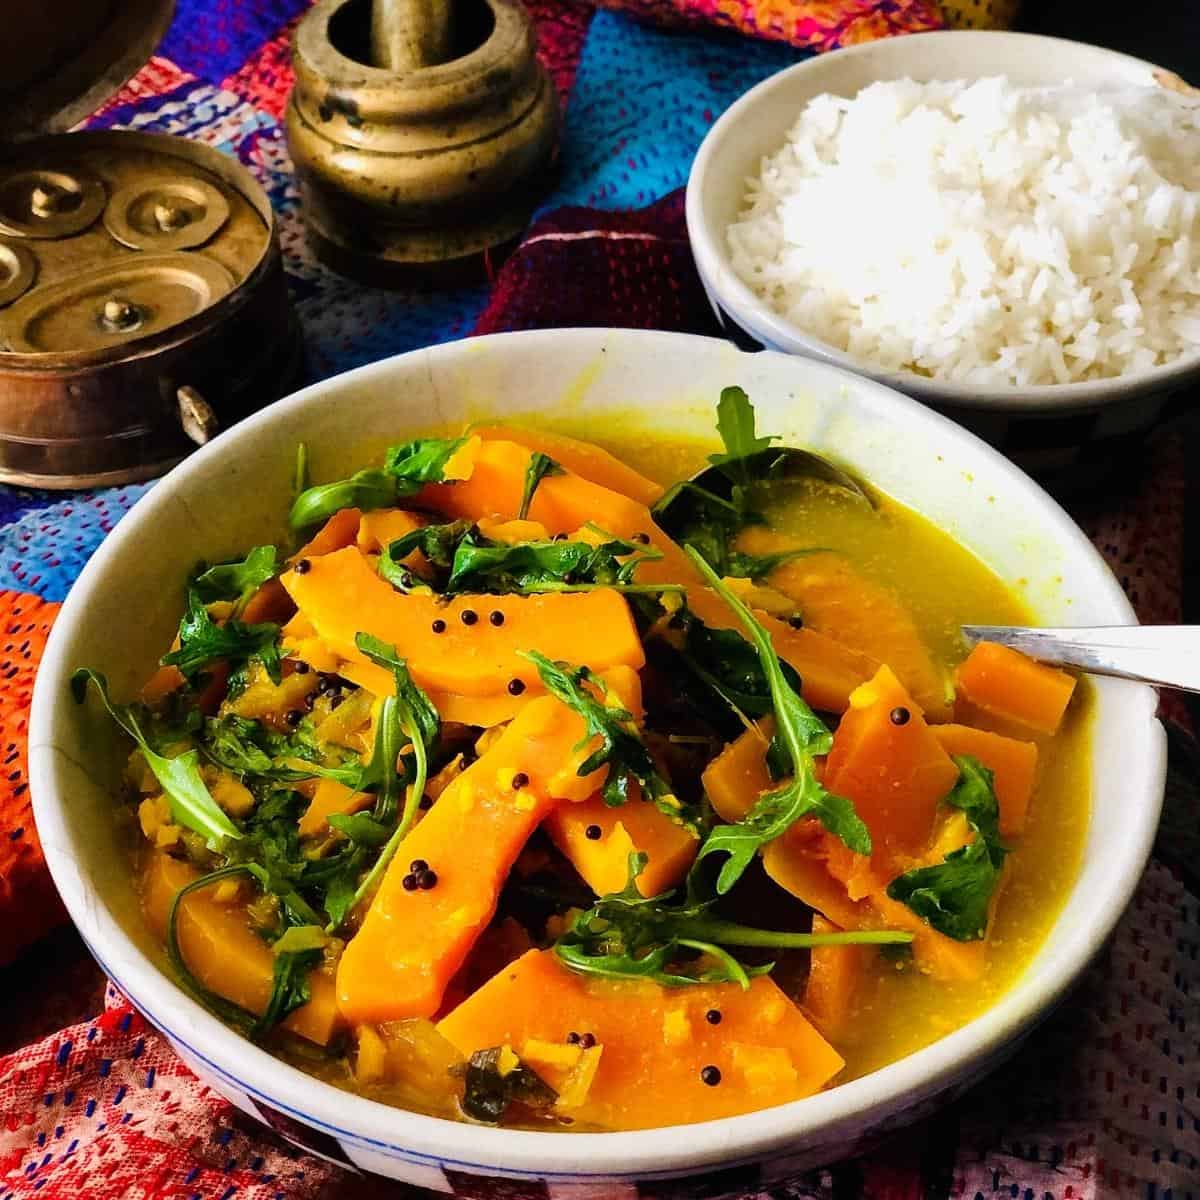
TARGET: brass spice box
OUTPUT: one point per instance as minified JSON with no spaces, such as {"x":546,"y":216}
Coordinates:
{"x":143,"y":305}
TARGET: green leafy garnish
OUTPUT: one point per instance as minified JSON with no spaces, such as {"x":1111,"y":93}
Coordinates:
{"x":804,"y":735}
{"x":406,"y":470}
{"x":758,"y":566}
{"x":367,"y":489}
{"x":735,"y":424}
{"x":498,"y":568}
{"x":540,"y":465}
{"x":954,"y":896}
{"x":238,"y":580}
{"x":203,"y":642}
{"x":411,"y":710}
{"x":621,"y":749}
{"x":189,"y":800}
{"x":419,"y":462}
{"x":296,"y":954}
{"x":489,"y":1089}
{"x":437,"y":543}
{"x":247,"y":747}
{"x":626,"y":935}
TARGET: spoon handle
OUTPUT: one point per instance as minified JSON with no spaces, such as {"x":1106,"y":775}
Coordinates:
{"x":1165,"y":655}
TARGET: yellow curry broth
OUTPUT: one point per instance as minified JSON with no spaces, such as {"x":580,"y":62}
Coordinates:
{"x":943,"y":586}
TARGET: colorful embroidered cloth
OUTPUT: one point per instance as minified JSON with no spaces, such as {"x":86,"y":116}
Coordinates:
{"x":1101,"y":1104}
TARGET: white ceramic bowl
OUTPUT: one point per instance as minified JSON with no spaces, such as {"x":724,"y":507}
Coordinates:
{"x":232,"y":494}
{"x":757,"y":124}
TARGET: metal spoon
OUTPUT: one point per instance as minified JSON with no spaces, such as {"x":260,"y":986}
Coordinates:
{"x":1165,"y":655}
{"x":775,"y":465}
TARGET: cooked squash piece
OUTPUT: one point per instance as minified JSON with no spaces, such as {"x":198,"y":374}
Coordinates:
{"x":1008,"y":685}
{"x":886,"y":760}
{"x":828,"y":670}
{"x":796,"y":862}
{"x":269,"y":603}
{"x":838,"y":600}
{"x":224,"y":953}
{"x":636,"y":825}
{"x":336,"y":534}
{"x":736,"y":778}
{"x":378,"y":529}
{"x":584,"y":459}
{"x":562,"y":503}
{"x":341,"y":596}
{"x":836,"y":977}
{"x":933,"y":952}
{"x":1013,"y":764}
{"x":413,"y":941}
{"x":655,"y":1041}
{"x":330,"y":797}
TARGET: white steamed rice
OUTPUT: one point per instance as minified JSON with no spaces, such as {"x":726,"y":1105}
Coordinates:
{"x":984,"y":233}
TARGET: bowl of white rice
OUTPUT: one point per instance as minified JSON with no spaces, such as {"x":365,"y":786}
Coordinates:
{"x":1002,"y":225}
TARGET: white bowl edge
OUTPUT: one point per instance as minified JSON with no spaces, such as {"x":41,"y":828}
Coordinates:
{"x":841,"y":1113}
{"x":1031,"y":59}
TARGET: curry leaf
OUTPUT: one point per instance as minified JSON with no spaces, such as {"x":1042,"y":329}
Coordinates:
{"x":540,"y":465}
{"x":804,"y":735}
{"x":202,"y":642}
{"x":189,"y":800}
{"x":621,"y":749}
{"x":954,"y":896}
{"x":492,"y":1084}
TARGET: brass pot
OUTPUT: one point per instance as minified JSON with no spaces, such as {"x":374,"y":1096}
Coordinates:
{"x":410,"y":167}
{"x":142,"y":297}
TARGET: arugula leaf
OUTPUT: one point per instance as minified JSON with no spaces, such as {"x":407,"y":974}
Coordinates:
{"x":437,"y":543}
{"x":290,"y":988}
{"x":361,"y":828}
{"x":538,"y":566}
{"x":367,"y":489}
{"x":406,"y":470}
{"x":804,"y":735}
{"x":759,"y":566}
{"x":419,"y":462}
{"x":491,"y":1085}
{"x":540,"y":465}
{"x":954,"y":896}
{"x":627,"y":935}
{"x":412,"y":711}
{"x":188,"y":798}
{"x":237,"y":580}
{"x":735,"y":424}
{"x":296,"y":956}
{"x":247,"y":747}
{"x":202,"y":642}
{"x":270,"y":851}
{"x":621,"y":749}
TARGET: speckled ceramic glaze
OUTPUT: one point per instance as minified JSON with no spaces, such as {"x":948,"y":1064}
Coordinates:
{"x":233,"y":493}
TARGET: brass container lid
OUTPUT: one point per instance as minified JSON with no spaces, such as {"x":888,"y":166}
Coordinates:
{"x":142,"y":298}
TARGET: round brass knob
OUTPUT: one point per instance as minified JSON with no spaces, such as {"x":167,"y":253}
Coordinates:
{"x":169,"y":216}
{"x":46,"y":200}
{"x":120,"y":315}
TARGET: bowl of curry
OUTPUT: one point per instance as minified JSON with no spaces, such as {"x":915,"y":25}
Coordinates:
{"x":464,"y":783}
